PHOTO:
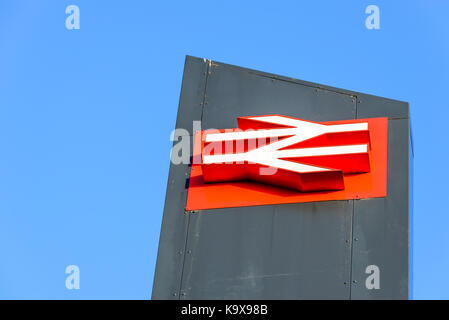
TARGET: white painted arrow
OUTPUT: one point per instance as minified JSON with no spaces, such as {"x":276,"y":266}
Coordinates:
{"x":272,"y":155}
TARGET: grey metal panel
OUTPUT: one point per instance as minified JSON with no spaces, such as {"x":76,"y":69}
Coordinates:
{"x":192,"y":93}
{"x":410,"y":208}
{"x":290,"y":251}
{"x":233,"y":92}
{"x":369,"y":106}
{"x":168,"y":273}
{"x":288,"y":79}
{"x":381,"y":226}
{"x":173,"y":236}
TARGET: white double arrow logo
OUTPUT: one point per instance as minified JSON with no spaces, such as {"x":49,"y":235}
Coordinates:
{"x":293,"y":131}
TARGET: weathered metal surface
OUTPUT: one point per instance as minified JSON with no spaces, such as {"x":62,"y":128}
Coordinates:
{"x":169,"y":266}
{"x":381,"y":226}
{"x":234,"y":92}
{"x":294,"y":251}
{"x":285,"y":251}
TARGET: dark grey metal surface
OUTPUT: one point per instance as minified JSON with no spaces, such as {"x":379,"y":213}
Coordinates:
{"x":234,"y":92}
{"x":285,"y":251}
{"x":369,"y":106}
{"x":169,"y":266}
{"x":289,"y":251}
{"x":411,"y":171}
{"x":381,"y":226}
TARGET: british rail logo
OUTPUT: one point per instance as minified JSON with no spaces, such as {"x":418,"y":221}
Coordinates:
{"x":292,"y":153}
{"x":278,"y":159}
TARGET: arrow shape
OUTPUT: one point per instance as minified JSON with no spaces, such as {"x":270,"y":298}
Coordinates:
{"x":309,"y":156}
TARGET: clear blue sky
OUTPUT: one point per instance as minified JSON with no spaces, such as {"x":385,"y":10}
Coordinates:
{"x":85,"y":119}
